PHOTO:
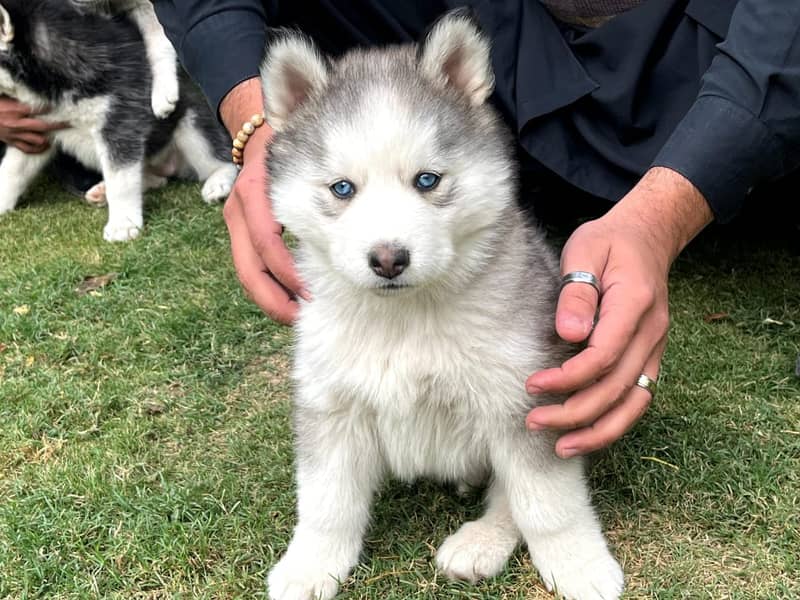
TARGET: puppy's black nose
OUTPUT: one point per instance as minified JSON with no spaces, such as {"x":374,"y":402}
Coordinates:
{"x":388,"y":260}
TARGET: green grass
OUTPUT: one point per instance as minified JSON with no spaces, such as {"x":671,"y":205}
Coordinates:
{"x":145,"y":449}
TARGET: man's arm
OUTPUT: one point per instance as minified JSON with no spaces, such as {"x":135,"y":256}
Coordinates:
{"x":219,"y":42}
{"x":743,"y":128}
{"x":262,"y":260}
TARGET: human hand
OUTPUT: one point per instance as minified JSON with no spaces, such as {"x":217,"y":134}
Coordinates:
{"x":19,"y":127}
{"x":263,"y":263}
{"x":630,"y":250}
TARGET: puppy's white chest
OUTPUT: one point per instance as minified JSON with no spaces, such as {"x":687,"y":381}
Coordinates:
{"x":422,"y":391}
{"x":431,"y":440}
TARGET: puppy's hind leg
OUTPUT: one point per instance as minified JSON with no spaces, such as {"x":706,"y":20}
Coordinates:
{"x":550,"y":504}
{"x":96,"y":195}
{"x":338,"y":469}
{"x":17,"y":172}
{"x":196,"y":145}
{"x":480,"y":549}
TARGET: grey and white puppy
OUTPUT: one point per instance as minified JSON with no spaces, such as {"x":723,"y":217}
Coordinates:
{"x":91,"y":72}
{"x":433,"y":300}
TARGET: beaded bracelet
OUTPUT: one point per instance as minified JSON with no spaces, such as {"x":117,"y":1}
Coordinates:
{"x":239,"y":142}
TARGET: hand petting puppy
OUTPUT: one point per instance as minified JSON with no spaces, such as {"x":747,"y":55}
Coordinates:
{"x":20,"y":128}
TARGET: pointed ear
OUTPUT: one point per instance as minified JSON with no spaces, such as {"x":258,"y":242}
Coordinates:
{"x":456,"y":53}
{"x":6,"y":29}
{"x":292,"y":71}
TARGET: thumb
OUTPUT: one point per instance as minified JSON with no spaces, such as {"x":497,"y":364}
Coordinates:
{"x":578,"y":300}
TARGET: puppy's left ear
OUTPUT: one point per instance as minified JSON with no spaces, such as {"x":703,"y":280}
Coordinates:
{"x":6,"y":29}
{"x":293,"y":70}
{"x":457,"y":54}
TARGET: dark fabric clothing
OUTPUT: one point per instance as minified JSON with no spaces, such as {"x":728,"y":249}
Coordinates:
{"x":598,"y":107}
{"x":588,"y":12}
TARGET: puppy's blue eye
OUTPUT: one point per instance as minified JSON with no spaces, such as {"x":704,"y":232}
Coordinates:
{"x":343,"y":189}
{"x":426,"y":181}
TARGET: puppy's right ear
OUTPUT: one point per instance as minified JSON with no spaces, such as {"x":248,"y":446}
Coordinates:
{"x":457,"y":54}
{"x":6,"y":29}
{"x":292,"y":71}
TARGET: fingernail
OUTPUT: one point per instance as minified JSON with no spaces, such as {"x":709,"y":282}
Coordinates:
{"x":568,"y":452}
{"x":305,"y":295}
{"x":534,"y":426}
{"x":573,"y":322}
{"x":534,"y":389}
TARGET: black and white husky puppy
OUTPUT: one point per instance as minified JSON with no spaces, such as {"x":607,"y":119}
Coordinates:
{"x":160,"y":53}
{"x":91,"y":72}
{"x":433,"y":301}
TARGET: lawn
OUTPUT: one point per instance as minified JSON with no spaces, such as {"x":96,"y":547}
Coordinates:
{"x":145,"y":445}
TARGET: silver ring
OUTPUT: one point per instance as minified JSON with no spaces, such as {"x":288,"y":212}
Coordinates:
{"x":581,"y":277}
{"x":646,"y":383}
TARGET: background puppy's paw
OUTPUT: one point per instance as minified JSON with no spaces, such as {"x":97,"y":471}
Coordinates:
{"x":121,"y":232}
{"x":579,"y":569}
{"x":165,"y":97}
{"x":219,"y":185}
{"x":476,"y":551}
{"x":96,"y":195}
{"x":301,"y":578}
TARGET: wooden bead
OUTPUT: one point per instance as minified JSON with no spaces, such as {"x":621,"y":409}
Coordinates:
{"x":257,"y":120}
{"x":237,"y":143}
{"x":242,"y":137}
{"x":236,"y":152}
{"x":248,"y":128}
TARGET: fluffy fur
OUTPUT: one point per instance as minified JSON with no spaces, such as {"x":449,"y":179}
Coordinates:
{"x":91,"y":71}
{"x":430,"y":308}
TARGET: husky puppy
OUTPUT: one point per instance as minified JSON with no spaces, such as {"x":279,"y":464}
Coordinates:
{"x":160,"y":53}
{"x":90,"y":71}
{"x":433,"y":299}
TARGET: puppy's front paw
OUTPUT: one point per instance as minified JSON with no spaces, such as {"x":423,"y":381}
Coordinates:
{"x":165,"y":96}
{"x":219,"y":184}
{"x":301,"y":578}
{"x":121,"y":232}
{"x":476,"y":551}
{"x":578,"y":569}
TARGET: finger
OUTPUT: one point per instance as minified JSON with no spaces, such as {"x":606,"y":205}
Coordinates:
{"x":589,"y":404}
{"x":621,"y":311}
{"x":29,"y":148}
{"x":577,"y":306}
{"x":267,"y":293}
{"x":266,"y":236}
{"x":615,"y":423}
{"x":577,"y":302}
{"x":37,"y":126}
{"x":32,"y":138}
{"x":14,"y":109}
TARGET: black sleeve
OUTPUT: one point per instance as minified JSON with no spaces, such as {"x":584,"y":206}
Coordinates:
{"x":745,"y":124}
{"x":219,"y":42}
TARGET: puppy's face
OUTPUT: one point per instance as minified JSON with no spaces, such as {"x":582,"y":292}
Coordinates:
{"x":387,"y":164}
